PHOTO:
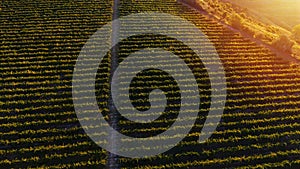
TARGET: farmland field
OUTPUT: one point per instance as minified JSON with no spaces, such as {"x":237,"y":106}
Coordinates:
{"x":40,"y":42}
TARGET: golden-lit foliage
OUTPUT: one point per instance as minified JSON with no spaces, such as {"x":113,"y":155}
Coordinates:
{"x":296,"y":33}
{"x":243,"y":16}
{"x":285,"y":13}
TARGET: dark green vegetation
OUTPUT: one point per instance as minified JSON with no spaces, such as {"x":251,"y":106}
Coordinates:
{"x":40,"y":42}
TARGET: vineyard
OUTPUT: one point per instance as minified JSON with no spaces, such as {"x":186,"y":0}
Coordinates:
{"x":40,"y":43}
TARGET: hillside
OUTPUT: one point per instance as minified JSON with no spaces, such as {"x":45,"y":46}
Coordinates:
{"x":253,"y":24}
{"x":285,"y":14}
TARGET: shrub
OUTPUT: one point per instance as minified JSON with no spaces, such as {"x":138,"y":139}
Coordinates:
{"x":296,"y":33}
{"x":249,"y":31}
{"x":283,"y":43}
{"x":259,"y":35}
{"x":235,"y":20}
{"x":296,"y":51}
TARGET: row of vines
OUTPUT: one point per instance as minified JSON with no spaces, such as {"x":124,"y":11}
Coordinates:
{"x":40,"y":43}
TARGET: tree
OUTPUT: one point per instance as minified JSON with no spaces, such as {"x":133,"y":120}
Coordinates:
{"x":283,"y":43}
{"x":235,"y":20}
